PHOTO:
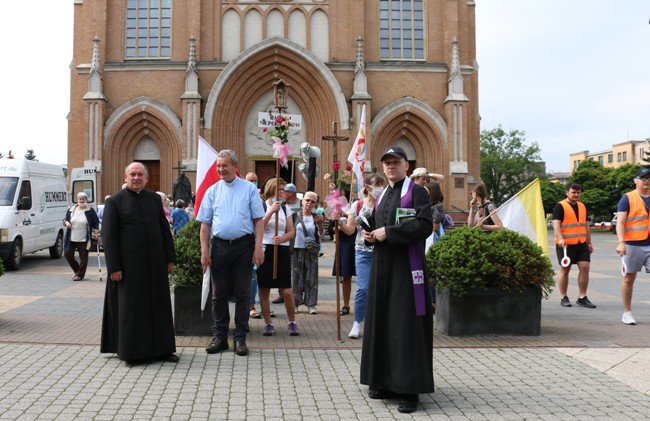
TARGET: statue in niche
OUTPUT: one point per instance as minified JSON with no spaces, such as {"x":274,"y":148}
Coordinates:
{"x":182,"y":188}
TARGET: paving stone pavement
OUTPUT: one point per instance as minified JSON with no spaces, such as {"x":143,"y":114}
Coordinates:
{"x":585,"y":365}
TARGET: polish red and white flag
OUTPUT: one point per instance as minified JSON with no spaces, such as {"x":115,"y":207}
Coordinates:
{"x":206,"y":171}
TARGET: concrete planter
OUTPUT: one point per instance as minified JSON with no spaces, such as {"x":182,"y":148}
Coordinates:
{"x":489,"y":312}
{"x":187,"y":312}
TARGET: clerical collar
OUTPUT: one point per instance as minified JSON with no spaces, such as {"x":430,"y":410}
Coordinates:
{"x":397,"y":184}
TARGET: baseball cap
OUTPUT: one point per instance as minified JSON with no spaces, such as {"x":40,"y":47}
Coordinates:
{"x":394,"y":151}
{"x":290,"y":187}
{"x":419,"y":172}
{"x":643,"y":172}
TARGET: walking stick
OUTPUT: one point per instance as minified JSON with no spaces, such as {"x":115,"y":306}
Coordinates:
{"x":99,"y":265}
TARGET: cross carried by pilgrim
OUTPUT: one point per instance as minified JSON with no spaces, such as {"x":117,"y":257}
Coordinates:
{"x":336,"y":138}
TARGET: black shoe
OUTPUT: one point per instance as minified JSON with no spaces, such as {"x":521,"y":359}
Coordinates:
{"x":217,"y":345}
{"x":171,"y":358}
{"x":408,"y":404}
{"x":381,"y":394}
{"x":584,"y":302}
{"x":565,"y":302}
{"x":240,"y":348}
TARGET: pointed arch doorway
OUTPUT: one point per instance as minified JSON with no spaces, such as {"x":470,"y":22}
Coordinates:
{"x":148,"y":153}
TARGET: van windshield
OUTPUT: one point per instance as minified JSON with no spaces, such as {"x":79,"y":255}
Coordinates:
{"x":7,"y":190}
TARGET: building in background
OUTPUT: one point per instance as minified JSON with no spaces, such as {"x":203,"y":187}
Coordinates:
{"x":630,"y":152}
{"x":149,"y":77}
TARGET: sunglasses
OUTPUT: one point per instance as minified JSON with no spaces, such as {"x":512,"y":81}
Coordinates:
{"x":310,"y":201}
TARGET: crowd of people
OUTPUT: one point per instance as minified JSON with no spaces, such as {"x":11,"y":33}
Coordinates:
{"x":255,"y":239}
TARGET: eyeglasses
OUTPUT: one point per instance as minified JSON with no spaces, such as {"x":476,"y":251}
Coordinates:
{"x":644,"y":178}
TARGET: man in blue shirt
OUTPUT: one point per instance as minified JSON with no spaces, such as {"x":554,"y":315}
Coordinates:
{"x":231,"y":215}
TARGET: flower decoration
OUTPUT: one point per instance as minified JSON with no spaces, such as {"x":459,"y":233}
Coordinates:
{"x":341,"y":177}
{"x":336,"y":201}
{"x":281,"y":124}
{"x":280,"y":135}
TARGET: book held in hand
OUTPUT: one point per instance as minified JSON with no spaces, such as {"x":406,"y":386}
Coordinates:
{"x":404,"y":214}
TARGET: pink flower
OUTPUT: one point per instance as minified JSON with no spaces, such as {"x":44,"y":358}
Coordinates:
{"x":348,"y":167}
{"x":327,"y":176}
{"x":263,"y":129}
{"x":336,"y":166}
{"x":278,"y":120}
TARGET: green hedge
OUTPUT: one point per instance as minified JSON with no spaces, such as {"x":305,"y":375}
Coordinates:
{"x":188,"y":270}
{"x":467,"y":258}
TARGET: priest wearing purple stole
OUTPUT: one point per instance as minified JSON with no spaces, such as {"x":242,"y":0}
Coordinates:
{"x":397,"y":356}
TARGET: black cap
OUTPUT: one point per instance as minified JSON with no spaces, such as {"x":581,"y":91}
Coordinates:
{"x":643,"y":172}
{"x":394,"y":151}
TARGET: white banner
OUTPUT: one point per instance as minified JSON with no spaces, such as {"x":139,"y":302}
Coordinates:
{"x":269,"y":120}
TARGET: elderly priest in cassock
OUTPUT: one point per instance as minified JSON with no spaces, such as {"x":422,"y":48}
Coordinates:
{"x":139,"y":249}
{"x":397,"y":355}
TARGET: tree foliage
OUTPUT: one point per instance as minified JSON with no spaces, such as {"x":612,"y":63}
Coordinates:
{"x":508,"y":164}
{"x":30,"y":155}
{"x":603,"y":187}
{"x":551,"y":194}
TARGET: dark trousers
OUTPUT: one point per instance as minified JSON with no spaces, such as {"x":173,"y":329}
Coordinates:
{"x":80,"y":267}
{"x":232,"y":269}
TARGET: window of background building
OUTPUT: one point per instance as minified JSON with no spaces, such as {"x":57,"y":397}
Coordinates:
{"x":610,"y":158}
{"x":618,"y":157}
{"x":148,"y":28}
{"x":624,"y":156}
{"x":401,"y":29}
{"x":601,"y":159}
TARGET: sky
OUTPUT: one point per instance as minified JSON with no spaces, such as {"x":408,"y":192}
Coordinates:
{"x":572,"y":74}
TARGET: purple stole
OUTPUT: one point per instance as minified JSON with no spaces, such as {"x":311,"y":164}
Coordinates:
{"x":416,"y":262}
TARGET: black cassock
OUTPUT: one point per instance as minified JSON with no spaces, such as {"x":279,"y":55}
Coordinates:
{"x":397,"y":351}
{"x":137,"y":322}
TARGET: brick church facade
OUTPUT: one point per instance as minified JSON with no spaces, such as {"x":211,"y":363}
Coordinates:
{"x":150,"y":76}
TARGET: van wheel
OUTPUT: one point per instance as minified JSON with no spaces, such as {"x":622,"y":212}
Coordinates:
{"x":13,"y":261}
{"x":56,"y":251}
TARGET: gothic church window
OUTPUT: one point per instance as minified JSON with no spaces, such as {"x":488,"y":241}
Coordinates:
{"x":401,"y":29}
{"x":148,"y":29}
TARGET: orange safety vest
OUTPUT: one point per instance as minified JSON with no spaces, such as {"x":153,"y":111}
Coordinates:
{"x":574,"y":230}
{"x":637,"y":226}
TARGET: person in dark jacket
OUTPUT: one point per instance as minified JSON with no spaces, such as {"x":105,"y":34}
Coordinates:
{"x":80,"y":221}
{"x":397,"y":353}
{"x":137,"y":324}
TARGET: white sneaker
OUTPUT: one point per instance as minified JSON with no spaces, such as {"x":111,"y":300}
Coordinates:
{"x":312,"y":310}
{"x":628,"y":319}
{"x":354,"y":333}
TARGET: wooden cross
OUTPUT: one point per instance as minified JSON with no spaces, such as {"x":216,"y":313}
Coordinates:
{"x":335,"y":138}
{"x":179,"y":168}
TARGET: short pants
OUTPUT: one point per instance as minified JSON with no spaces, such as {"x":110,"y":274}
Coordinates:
{"x":576,"y":252}
{"x":636,"y":257}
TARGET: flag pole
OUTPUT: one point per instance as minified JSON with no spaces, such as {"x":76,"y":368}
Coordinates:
{"x":275,"y":244}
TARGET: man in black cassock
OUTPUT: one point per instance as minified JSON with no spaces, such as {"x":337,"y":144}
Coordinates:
{"x":139,"y":250}
{"x":397,"y":354}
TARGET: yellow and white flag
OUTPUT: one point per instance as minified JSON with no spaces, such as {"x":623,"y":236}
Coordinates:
{"x":524,"y":213}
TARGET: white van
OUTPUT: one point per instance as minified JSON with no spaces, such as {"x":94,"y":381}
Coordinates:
{"x":84,"y":179}
{"x":33,"y":204}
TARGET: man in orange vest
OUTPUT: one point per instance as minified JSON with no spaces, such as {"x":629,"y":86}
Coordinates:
{"x":632,"y":229}
{"x":573,"y":236}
